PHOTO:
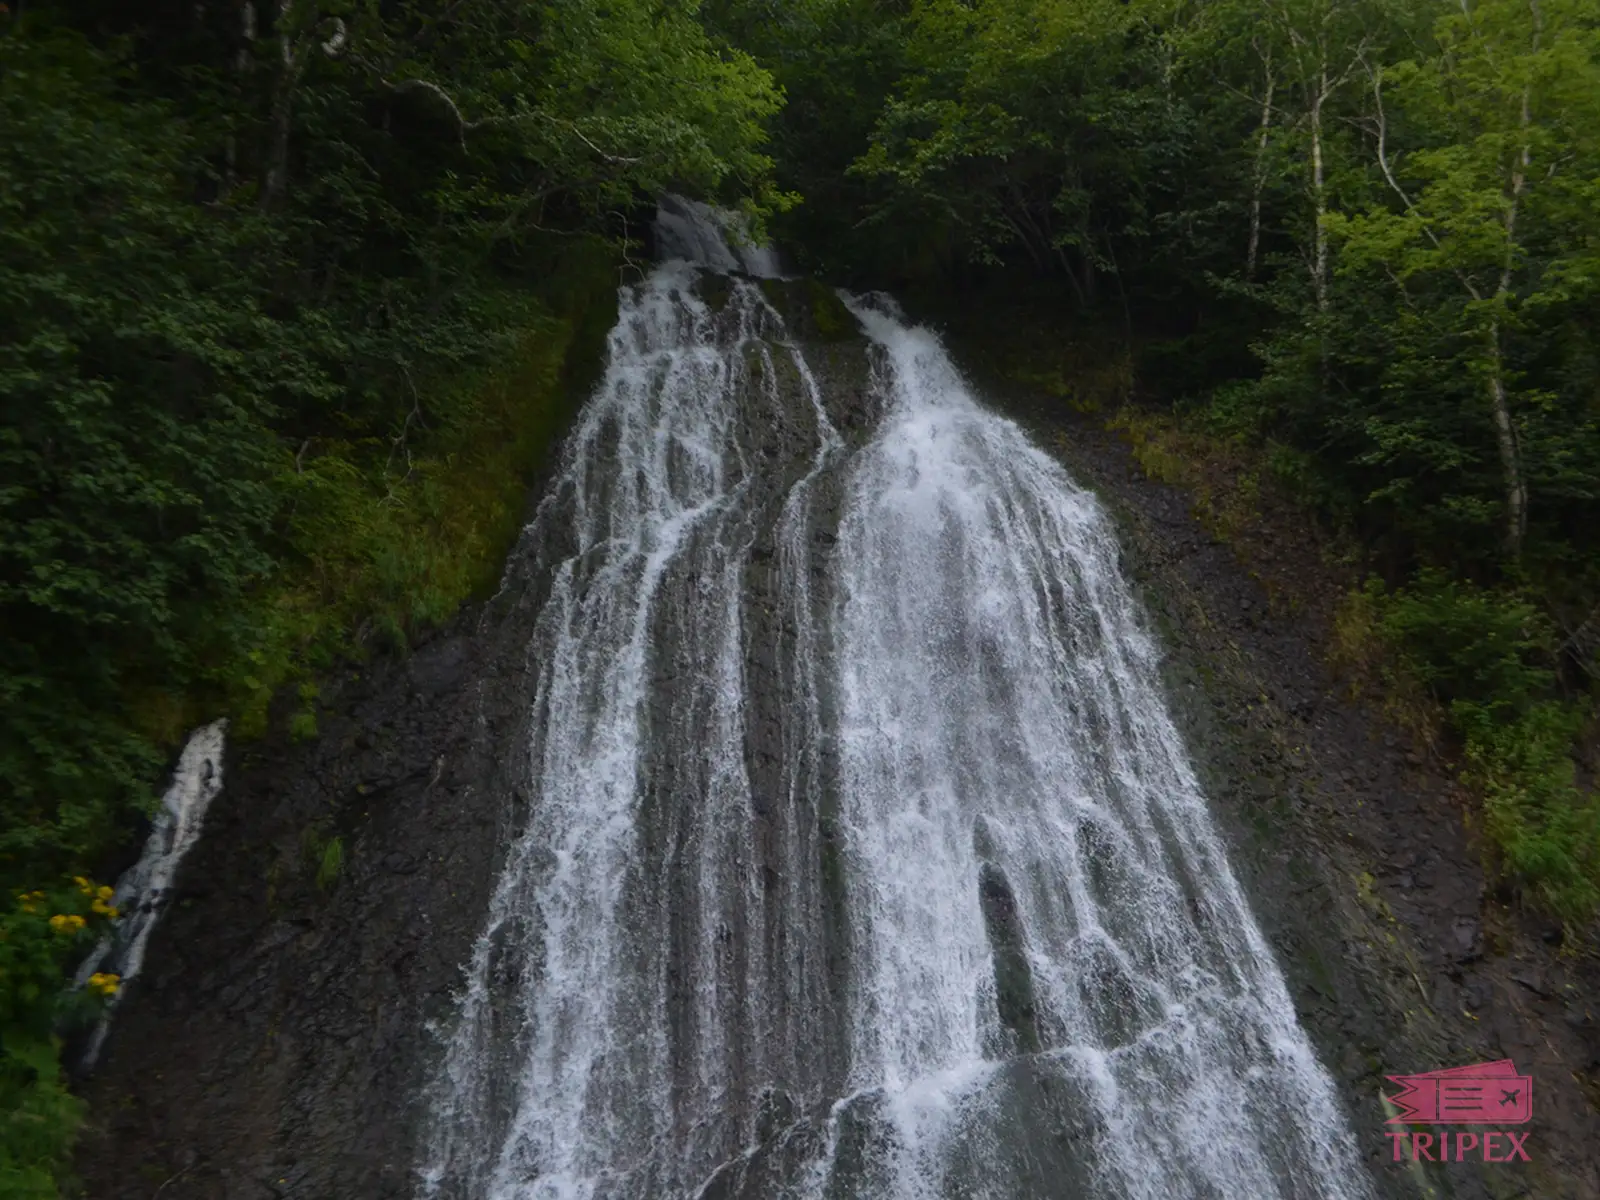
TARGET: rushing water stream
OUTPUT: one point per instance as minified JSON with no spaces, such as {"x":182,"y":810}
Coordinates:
{"x":863,"y":858}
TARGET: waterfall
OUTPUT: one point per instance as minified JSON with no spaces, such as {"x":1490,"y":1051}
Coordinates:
{"x":863,"y":858}
{"x":145,"y":889}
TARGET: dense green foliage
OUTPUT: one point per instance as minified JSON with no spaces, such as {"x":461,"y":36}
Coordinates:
{"x":1487,"y":655}
{"x":40,"y":933}
{"x":291,"y":300}
{"x":233,"y":266}
{"x":1357,"y":239}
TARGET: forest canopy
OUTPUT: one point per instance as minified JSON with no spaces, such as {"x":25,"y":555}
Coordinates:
{"x":230,"y":241}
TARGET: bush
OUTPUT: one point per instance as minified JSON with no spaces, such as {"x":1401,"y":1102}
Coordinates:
{"x":40,"y":935}
{"x":1545,"y":829}
{"x":1487,"y":649}
{"x":1488,"y":658}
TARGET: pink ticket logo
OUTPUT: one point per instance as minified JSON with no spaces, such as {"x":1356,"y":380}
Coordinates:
{"x":1490,"y":1093}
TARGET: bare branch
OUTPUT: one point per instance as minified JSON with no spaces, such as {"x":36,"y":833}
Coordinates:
{"x":570,"y":126}
{"x":610,"y":158}
{"x":464,"y":126}
{"x":398,"y":444}
{"x":408,"y":86}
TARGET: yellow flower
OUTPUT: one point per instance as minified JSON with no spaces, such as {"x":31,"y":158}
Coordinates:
{"x":106,"y":985}
{"x":67,"y":923}
{"x":84,"y":885}
{"x":100,"y":906}
{"x":104,"y":893}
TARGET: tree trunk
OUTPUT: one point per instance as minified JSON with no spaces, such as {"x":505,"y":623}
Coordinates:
{"x":1505,"y":431}
{"x":278,"y":148}
{"x":293,"y":60}
{"x":1506,"y":437}
{"x":1260,"y":172}
{"x":1319,"y":198}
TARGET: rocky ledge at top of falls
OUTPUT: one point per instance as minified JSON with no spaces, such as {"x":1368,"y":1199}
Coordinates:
{"x":280,"y":1037}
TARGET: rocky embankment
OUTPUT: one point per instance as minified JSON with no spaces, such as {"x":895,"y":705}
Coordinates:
{"x":276,"y":1041}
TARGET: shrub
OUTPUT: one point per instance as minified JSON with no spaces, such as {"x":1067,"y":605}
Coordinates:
{"x":1488,"y":658}
{"x":1467,"y":644}
{"x":39,"y":935}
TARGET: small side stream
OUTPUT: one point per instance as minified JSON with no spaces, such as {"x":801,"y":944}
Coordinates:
{"x":143,"y":892}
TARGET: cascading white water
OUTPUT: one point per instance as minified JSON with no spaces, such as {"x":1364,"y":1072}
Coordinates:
{"x":144,"y":890}
{"x":1000,"y":708}
{"x":863,"y":859}
{"x":692,"y":231}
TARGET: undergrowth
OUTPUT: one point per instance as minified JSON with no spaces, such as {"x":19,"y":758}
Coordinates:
{"x":386,"y":537}
{"x":1478,"y":665}
{"x":1470,"y":671}
{"x":42,"y":933}
{"x":1220,"y":475}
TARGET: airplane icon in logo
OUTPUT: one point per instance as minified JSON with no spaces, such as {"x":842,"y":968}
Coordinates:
{"x":1464,"y":1096}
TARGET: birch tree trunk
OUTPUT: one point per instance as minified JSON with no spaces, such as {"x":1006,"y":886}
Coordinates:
{"x":1516,"y":482}
{"x":1505,"y":432}
{"x":1319,"y":197}
{"x":292,"y":54}
{"x":1260,"y":180}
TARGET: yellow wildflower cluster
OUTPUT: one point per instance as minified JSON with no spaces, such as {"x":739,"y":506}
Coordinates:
{"x":102,"y":903}
{"x":67,"y":923}
{"x":100,"y":897}
{"x":106,"y":985}
{"x":30,"y":901}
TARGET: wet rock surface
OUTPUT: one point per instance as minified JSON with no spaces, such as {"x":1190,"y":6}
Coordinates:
{"x":1355,"y":849}
{"x":284,"y":1032}
{"x":277,"y":1042}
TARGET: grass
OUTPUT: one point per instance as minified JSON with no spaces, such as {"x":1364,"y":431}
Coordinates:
{"x":330,"y":862}
{"x":1222,"y":477}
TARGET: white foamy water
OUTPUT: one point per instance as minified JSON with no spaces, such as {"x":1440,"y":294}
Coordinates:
{"x":144,"y":890}
{"x":863,"y":859}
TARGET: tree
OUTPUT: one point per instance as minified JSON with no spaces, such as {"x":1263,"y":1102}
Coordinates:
{"x":1492,"y":202}
{"x":1036,"y":127}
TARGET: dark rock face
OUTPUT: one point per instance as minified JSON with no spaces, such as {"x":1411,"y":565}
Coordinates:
{"x":278,"y":1039}
{"x":1013,"y":976}
{"x":283,"y":1035}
